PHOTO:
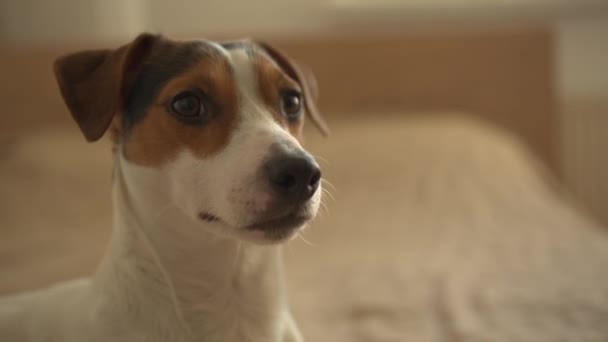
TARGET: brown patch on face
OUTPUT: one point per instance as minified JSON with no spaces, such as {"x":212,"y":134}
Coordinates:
{"x":271,"y":81}
{"x":160,"y":135}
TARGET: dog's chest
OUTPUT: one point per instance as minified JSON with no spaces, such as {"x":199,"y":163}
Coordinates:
{"x":236,"y":318}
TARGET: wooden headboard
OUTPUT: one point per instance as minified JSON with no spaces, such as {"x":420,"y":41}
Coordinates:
{"x":503,"y":77}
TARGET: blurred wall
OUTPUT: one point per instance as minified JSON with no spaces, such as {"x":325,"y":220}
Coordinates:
{"x":26,"y":22}
{"x":35,"y":22}
{"x":582,"y":50}
{"x":582,"y":65}
{"x":230,"y":17}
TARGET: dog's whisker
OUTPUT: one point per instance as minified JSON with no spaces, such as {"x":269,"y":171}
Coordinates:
{"x":320,"y":158}
{"x":327,"y":191}
{"x":327,"y":182}
{"x":324,"y":201}
{"x":324,"y":181}
{"x":306,"y":241}
{"x":323,"y":207}
{"x":321,"y":216}
{"x":328,"y":194}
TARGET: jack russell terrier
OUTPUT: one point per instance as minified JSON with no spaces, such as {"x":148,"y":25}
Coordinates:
{"x":209,"y":177}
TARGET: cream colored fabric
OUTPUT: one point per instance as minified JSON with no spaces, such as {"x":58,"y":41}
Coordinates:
{"x":439,"y":230}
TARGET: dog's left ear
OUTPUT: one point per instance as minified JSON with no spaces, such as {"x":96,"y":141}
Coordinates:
{"x":93,"y":83}
{"x":307,"y":81}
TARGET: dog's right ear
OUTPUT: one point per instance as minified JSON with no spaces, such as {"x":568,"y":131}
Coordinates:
{"x":93,"y":83}
{"x":306,"y":80}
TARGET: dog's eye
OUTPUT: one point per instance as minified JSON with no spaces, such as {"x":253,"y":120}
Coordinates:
{"x":189,"y":105}
{"x":291,"y":104}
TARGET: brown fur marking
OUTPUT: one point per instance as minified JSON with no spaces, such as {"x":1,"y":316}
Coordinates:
{"x":271,"y":80}
{"x":160,"y":136}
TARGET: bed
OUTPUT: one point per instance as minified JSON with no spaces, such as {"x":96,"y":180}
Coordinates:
{"x":447,"y":229}
{"x":438,"y":228}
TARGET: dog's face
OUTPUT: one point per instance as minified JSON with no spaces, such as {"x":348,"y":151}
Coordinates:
{"x":216,"y":127}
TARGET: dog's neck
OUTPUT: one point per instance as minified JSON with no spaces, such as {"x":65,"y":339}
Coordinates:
{"x":169,"y":273}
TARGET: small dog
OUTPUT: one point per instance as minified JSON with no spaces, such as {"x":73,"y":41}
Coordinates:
{"x":209,"y":177}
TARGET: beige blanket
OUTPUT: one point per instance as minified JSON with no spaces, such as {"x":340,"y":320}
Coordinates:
{"x":438,"y":230}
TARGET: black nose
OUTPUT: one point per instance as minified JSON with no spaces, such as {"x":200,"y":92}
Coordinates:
{"x":293,"y":175}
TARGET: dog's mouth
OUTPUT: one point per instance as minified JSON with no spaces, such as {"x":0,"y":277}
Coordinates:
{"x":274,"y":227}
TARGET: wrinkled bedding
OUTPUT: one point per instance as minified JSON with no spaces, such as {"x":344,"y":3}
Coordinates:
{"x":434,"y":230}
{"x":448,"y":230}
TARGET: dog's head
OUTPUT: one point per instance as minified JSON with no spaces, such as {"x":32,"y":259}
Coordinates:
{"x":212,"y":129}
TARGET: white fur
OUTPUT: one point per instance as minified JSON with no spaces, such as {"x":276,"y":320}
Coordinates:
{"x":168,"y":275}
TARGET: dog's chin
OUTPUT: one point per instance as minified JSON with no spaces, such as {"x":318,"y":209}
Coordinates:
{"x":271,"y":231}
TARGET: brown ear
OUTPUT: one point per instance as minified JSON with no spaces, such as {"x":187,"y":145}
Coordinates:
{"x":311,"y":81}
{"x":307,"y":82}
{"x":93,"y":83}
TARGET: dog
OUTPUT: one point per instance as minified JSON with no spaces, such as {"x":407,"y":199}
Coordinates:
{"x":209,"y":178}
